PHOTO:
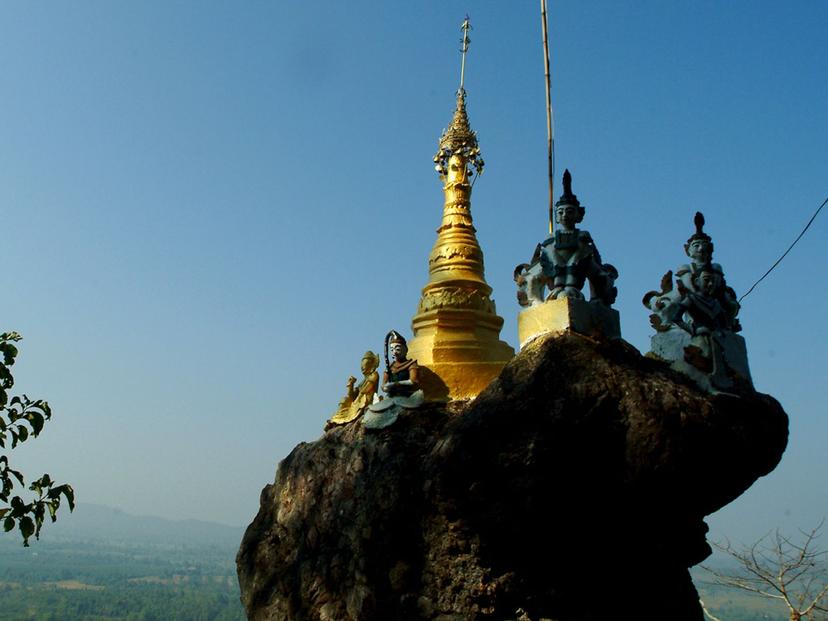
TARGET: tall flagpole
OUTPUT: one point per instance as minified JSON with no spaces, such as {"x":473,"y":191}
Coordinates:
{"x":550,"y":127}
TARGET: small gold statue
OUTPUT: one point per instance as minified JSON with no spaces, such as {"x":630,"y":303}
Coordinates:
{"x":357,"y":398}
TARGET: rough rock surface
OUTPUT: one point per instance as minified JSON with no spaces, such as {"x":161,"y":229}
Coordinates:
{"x":573,"y":488}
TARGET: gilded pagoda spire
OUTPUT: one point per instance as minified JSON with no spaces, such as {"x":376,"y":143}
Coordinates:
{"x":456,"y":254}
{"x":456,"y":327}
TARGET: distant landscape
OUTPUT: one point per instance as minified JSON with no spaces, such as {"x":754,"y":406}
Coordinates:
{"x":103,"y":564}
{"x":733,"y":605}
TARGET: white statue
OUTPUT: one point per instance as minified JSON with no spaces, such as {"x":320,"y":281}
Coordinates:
{"x":695,"y":320}
{"x":566,"y":260}
{"x":399,"y":382}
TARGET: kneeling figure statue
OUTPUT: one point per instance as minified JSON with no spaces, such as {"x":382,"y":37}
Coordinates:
{"x":695,"y":320}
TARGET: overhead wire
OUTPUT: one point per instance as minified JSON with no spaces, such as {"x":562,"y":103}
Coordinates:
{"x":784,"y":254}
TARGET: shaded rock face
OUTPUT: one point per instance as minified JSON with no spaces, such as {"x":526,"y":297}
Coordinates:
{"x":573,"y":488}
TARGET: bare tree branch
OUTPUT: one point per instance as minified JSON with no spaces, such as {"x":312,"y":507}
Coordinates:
{"x":707,"y":612}
{"x":816,"y":601}
{"x":779,"y":567}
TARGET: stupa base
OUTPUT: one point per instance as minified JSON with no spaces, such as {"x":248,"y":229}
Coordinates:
{"x":569,"y":314}
{"x":449,"y":381}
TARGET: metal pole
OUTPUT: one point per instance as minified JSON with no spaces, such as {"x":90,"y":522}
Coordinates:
{"x":465,"y":27}
{"x":550,"y":132}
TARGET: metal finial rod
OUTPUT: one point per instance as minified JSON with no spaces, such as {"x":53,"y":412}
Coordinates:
{"x":465,"y":27}
{"x":550,"y":127}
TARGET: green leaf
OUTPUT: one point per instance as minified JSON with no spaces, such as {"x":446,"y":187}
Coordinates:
{"x":17,"y":475}
{"x":6,"y":379}
{"x":36,"y":420}
{"x":23,"y":433}
{"x":8,"y":524}
{"x":27,"y":528}
{"x":69,"y":493}
{"x":44,"y":482}
{"x":9,"y":352}
{"x":40,"y":513}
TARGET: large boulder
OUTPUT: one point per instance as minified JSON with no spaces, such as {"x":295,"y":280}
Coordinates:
{"x":573,"y":488}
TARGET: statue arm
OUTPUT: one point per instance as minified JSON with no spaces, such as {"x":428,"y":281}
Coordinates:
{"x":350,"y":391}
{"x":387,"y":385}
{"x":414,"y":374}
{"x":369,"y":384}
{"x":586,"y":238}
{"x":684,"y":276}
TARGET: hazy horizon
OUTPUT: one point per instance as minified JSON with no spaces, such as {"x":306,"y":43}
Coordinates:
{"x":211,"y":212}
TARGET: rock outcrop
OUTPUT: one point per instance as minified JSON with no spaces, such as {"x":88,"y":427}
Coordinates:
{"x":573,"y":488}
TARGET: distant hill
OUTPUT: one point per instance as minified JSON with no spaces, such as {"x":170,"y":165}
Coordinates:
{"x":98,"y":523}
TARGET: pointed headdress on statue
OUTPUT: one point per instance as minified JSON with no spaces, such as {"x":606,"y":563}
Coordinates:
{"x":393,"y":337}
{"x":568,"y":198}
{"x":698,"y":220}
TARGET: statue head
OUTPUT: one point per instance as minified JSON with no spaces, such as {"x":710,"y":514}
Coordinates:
{"x":568,"y":215}
{"x":370,"y":362}
{"x":709,"y":280}
{"x":568,"y":209}
{"x":397,"y":346}
{"x":699,"y":246}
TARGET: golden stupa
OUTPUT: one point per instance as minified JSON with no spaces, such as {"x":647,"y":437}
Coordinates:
{"x":456,"y":328}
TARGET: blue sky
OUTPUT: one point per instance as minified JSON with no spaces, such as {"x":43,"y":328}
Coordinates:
{"x":211,"y":210}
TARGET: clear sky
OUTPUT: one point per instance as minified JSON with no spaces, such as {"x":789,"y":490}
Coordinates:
{"x":211,"y":210}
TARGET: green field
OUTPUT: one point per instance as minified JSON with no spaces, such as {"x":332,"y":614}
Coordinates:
{"x":105,"y":581}
{"x":730,"y":604}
